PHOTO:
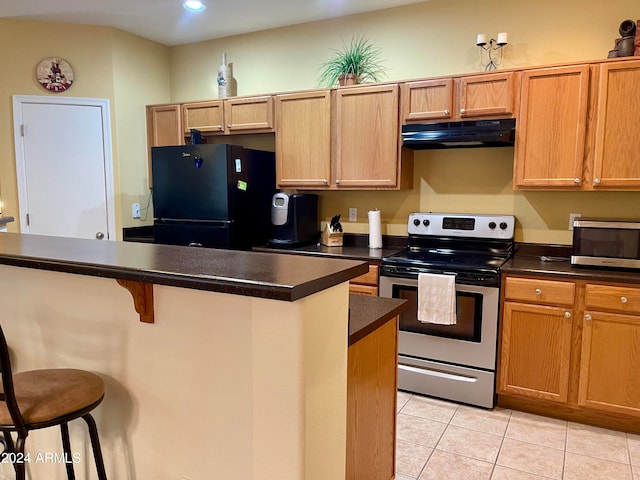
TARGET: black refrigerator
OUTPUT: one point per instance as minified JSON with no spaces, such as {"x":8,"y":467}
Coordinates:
{"x":216,"y":196}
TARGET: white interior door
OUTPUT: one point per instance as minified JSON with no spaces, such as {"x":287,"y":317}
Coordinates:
{"x":64,"y":166}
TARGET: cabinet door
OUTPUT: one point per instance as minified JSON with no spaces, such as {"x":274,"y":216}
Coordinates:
{"x":610,"y":363}
{"x":550,"y":134}
{"x":206,"y":117}
{"x":244,"y":115}
{"x":164,"y":125}
{"x":535,"y":351}
{"x":617,"y":156}
{"x":427,"y":100}
{"x":486,"y":95}
{"x":303,"y":139}
{"x":367,"y":136}
{"x":164,"y":128}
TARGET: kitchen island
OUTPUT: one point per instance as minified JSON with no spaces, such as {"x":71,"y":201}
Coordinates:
{"x":238,"y":369}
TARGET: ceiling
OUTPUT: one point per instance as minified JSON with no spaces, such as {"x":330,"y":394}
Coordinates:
{"x":167,"y":22}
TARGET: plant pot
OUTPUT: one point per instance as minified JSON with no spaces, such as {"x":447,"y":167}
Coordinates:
{"x":347,"y":79}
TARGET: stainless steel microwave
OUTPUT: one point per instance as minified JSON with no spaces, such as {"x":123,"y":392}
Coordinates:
{"x":606,"y":243}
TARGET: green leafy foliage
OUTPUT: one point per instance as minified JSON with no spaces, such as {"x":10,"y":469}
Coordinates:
{"x":360,"y":58}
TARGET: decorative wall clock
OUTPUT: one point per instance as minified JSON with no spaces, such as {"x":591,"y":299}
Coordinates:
{"x":54,"y":74}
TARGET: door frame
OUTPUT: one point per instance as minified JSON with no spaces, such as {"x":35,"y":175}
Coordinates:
{"x":21,"y":178}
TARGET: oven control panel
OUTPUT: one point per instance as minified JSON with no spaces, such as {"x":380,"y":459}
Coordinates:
{"x":499,"y":227}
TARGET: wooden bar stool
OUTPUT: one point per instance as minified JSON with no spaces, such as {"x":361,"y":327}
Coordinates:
{"x":44,"y":398}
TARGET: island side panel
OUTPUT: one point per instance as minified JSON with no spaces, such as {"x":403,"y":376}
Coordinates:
{"x":316,"y":366}
{"x":187,"y":396}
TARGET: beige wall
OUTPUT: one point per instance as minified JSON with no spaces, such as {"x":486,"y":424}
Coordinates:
{"x":127,"y":70}
{"x":422,"y":40}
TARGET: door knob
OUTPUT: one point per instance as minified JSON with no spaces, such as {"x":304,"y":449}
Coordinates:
{"x":99,"y":235}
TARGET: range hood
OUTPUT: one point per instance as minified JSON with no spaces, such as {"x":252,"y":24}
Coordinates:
{"x":465,"y":134}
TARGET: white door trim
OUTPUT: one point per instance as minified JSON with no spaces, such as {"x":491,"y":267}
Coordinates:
{"x":103,"y":104}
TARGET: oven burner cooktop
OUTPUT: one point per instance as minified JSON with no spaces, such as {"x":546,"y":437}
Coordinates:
{"x":473,"y":247}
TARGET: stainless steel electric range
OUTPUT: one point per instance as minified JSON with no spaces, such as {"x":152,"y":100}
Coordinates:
{"x":455,"y":362}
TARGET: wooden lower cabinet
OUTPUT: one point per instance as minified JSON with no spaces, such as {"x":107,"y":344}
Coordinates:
{"x":371,"y":404}
{"x":536,"y":348}
{"x":366,"y":284}
{"x":579,"y":361}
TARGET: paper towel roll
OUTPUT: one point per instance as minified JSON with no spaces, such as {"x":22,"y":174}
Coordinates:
{"x":375,"y":229}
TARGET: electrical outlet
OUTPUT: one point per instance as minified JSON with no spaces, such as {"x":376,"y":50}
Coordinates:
{"x":353,"y":214}
{"x":135,"y":210}
{"x":572,"y":217}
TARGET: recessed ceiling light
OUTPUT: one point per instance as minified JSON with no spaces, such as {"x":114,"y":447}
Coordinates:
{"x":194,"y":5}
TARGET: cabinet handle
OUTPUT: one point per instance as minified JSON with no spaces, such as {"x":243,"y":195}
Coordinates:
{"x":576,"y":181}
{"x":596,"y":181}
{"x":219,"y":127}
{"x":623,"y":299}
{"x":587,"y":317}
{"x":325,"y":181}
{"x":337,"y":182}
{"x":446,"y":112}
{"x":462,"y":111}
{"x":228,"y":125}
{"x":538,"y":291}
{"x":567,"y":314}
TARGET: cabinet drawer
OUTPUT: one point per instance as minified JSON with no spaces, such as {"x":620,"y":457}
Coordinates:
{"x":541,"y":291}
{"x":608,"y":297}
{"x":370,"y":278}
{"x":363,"y":289}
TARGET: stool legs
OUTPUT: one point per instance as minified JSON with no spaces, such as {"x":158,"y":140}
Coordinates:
{"x":95,"y":446}
{"x":66,"y":447}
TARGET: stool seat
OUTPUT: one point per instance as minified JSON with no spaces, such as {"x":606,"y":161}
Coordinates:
{"x":45,"y":396}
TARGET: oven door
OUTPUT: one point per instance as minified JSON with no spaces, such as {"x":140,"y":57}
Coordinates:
{"x":471,"y":342}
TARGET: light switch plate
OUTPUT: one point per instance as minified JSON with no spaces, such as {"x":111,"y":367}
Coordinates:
{"x":353,"y":214}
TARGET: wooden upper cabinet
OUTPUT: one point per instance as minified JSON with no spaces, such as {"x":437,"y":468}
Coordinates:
{"x":230,"y":116}
{"x":250,"y":114}
{"x":426,"y":100}
{"x":617,"y":155}
{"x":475,"y":96}
{"x":486,"y":95}
{"x":366,"y":137}
{"x":550,"y":132}
{"x":164,"y":125}
{"x":303,"y":139}
{"x":164,"y":128}
{"x":207,"y":117}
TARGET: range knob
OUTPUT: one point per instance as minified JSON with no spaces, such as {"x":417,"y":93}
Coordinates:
{"x":416,"y":222}
{"x":426,"y":222}
{"x":492,"y":225}
{"x":503,"y":225}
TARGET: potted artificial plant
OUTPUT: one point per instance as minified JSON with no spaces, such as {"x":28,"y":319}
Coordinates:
{"x":358,"y":62}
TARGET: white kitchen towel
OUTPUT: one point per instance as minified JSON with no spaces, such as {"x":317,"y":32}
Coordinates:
{"x":437,"y":298}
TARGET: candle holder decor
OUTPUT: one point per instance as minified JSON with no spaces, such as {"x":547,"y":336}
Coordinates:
{"x":492,"y":47}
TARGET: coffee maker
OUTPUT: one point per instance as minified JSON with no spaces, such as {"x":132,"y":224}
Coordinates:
{"x":294,"y":220}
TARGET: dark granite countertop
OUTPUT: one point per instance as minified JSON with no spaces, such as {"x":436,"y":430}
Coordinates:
{"x":554,"y":261}
{"x":367,"y":314}
{"x":5,"y":219}
{"x":355,"y":247}
{"x":266,"y":275}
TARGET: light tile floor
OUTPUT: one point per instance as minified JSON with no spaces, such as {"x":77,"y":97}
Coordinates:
{"x":439,"y":440}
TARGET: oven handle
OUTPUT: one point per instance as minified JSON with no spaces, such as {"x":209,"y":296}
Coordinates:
{"x":436,"y":373}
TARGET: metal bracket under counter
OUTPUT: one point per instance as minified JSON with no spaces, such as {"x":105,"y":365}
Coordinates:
{"x":142,"y":294}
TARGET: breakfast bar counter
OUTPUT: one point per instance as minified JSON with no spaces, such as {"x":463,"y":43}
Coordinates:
{"x":244,"y":359}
